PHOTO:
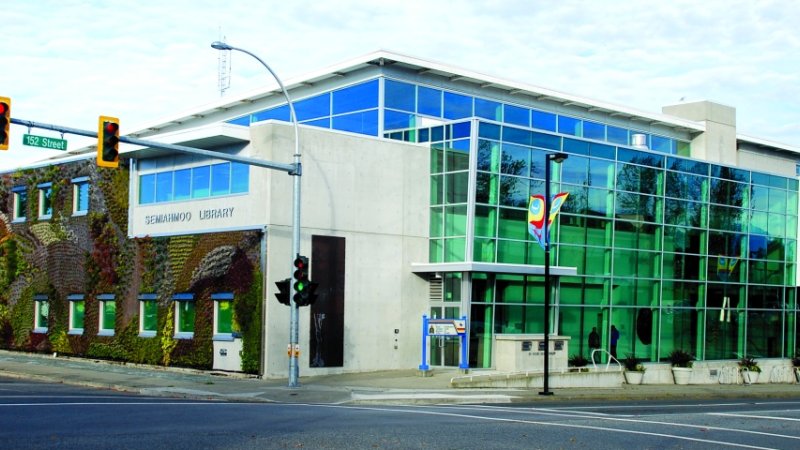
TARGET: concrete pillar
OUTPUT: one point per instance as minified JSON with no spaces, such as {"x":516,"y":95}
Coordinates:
{"x":718,"y":142}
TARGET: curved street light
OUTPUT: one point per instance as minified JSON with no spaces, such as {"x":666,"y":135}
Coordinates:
{"x":294,"y":370}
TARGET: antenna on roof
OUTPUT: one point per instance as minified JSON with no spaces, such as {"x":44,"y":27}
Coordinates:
{"x":224,"y":68}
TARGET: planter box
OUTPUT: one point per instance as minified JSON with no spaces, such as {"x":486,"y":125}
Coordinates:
{"x":633,"y":377}
{"x":682,"y":375}
{"x":750,"y":377}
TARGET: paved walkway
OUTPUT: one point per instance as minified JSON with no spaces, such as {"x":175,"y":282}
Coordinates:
{"x":399,"y":387}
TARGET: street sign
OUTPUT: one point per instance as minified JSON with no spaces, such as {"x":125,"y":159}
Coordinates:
{"x":44,"y":142}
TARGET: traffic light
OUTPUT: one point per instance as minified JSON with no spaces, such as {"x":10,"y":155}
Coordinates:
{"x":108,"y":142}
{"x":283,"y":291}
{"x":5,"y":122}
{"x":303,"y":287}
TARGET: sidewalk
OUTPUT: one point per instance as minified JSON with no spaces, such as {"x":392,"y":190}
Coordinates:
{"x":388,"y":387}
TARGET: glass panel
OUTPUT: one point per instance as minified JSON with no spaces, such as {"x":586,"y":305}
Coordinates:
{"x":547,"y":141}
{"x":149,"y":315}
{"x":314,"y":107}
{"x":764,"y":334}
{"x":78,"y":314}
{"x":684,"y":267}
{"x":678,"y":212}
{"x":147,"y":189}
{"x":515,"y":160}
{"x":617,"y":135}
{"x":685,"y":186}
{"x":429,"y":101}
{"x":201,"y":179}
{"x":513,"y":224}
{"x":437,"y":189}
{"x":279,"y":113}
{"x":22,"y":204}
{"x":109,"y":315}
{"x":594,"y":130}
{"x":220,"y":178}
{"x":46,"y":208}
{"x":516,"y":115}
{"x":362,"y":123}
{"x":186,"y":314}
{"x":729,"y":219}
{"x":240,"y":178}
{"x":487,"y":188}
{"x":601,"y":173}
{"x":396,"y":120}
{"x":398,"y":95}
{"x":457,"y":106}
{"x":224,"y":317}
{"x":457,"y":156}
{"x":457,"y":187}
{"x":164,"y":187}
{"x":182,"y":184}
{"x":543,"y":120}
{"x":437,"y":222}
{"x":356,"y":98}
{"x":575,"y":170}
{"x":685,"y":240}
{"x":488,"y":109}
{"x":727,"y":192}
{"x":489,"y":156}
{"x":82,"y":193}
{"x":661,"y":144}
{"x":569,"y":125}
{"x":42,"y":310}
{"x":455,"y":220}
{"x":514,"y":191}
{"x":485,"y":221}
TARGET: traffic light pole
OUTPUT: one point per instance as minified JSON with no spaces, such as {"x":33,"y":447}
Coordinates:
{"x":291,"y":169}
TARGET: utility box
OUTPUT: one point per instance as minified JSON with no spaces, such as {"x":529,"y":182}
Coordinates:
{"x":525,"y":352}
{"x":228,"y":355}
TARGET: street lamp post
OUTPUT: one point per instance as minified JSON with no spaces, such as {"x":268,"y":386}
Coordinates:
{"x":294,"y":370}
{"x":558,"y":158}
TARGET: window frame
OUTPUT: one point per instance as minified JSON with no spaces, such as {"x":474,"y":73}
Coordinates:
{"x":144,"y":299}
{"x":217,"y":299}
{"x":102,"y":301}
{"x":45,"y":192}
{"x":40,"y":301}
{"x":74,"y":300}
{"x":20,"y":213}
{"x":178,"y":300}
{"x":78,"y":184}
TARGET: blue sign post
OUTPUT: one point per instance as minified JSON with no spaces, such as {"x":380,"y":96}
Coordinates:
{"x":444,"y":327}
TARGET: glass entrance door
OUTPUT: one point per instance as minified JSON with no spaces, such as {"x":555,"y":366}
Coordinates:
{"x":444,"y":349}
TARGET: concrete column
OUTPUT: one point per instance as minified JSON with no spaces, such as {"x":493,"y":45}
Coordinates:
{"x":718,"y":142}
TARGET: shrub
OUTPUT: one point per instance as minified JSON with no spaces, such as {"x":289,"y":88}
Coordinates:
{"x":632,"y":364}
{"x":680,"y":358}
{"x":750,"y":364}
{"x":578,"y":361}
{"x":796,"y":361}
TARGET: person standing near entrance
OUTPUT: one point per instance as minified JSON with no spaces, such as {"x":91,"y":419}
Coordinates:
{"x":614,"y":340}
{"x":594,"y":342}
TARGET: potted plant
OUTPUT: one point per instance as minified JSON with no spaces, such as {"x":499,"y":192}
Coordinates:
{"x":749,"y":369}
{"x":681,"y":362}
{"x":578,"y":363}
{"x":634,"y":371}
{"x":796,"y":364}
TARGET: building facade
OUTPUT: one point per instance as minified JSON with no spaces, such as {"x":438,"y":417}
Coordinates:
{"x":678,"y":231}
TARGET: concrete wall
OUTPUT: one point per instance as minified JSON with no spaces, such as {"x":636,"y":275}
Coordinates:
{"x":718,"y":143}
{"x":375,"y":194}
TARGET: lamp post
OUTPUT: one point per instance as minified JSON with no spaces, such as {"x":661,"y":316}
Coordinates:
{"x":557,"y":158}
{"x":294,"y":370}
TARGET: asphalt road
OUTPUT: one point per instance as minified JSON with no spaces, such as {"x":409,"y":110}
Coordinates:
{"x":37,"y":415}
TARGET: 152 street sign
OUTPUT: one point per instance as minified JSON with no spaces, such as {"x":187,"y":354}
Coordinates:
{"x":44,"y":142}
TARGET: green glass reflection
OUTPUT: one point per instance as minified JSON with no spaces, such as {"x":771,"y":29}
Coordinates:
{"x":437,"y":158}
{"x":485,"y":221}
{"x":777,"y":200}
{"x":791,"y":201}
{"x":456,"y":187}
{"x":684,"y":267}
{"x":454,"y":249}
{"x":224,"y":316}
{"x":516,"y":319}
{"x":437,"y":189}
{"x":637,"y":235}
{"x":726,"y":218}
{"x":186,"y":313}
{"x":578,"y":323}
{"x":42,"y":310}
{"x":511,"y":252}
{"x":436,"y":250}
{"x":109,"y":315}
{"x":149,"y":315}
{"x":513,"y":224}
{"x":78,"y":313}
{"x":487,"y":188}
{"x":600,"y":259}
{"x":764,"y":334}
{"x":437,"y":222}
{"x":455,"y":220}
{"x":488,"y":156}
{"x":722,"y":334}
{"x":776,"y":225}
{"x":688,"y":240}
{"x":484,"y":250}
{"x":638,"y":332}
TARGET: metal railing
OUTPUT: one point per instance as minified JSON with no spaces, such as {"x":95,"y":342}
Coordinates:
{"x":610,"y":358}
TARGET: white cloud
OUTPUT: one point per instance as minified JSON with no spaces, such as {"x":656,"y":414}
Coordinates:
{"x":68,"y":61}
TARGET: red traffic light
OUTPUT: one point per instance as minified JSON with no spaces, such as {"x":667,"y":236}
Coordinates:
{"x":112,"y":127}
{"x":3,"y":108}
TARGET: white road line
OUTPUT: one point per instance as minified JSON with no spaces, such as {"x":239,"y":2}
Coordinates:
{"x":551,"y":424}
{"x":753,"y":416}
{"x":555,"y":413}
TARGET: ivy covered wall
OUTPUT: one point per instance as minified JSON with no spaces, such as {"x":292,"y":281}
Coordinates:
{"x":91,"y":255}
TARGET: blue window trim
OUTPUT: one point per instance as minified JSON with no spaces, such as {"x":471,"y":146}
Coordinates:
{"x":19,"y":189}
{"x":44,"y":185}
{"x":80,"y":180}
{"x":106,"y":297}
{"x":147,"y":297}
{"x":222,"y":296}
{"x":75,"y":297}
{"x":183,"y":297}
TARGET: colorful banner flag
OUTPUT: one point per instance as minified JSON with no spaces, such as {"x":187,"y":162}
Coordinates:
{"x":725,"y":267}
{"x":536,"y":215}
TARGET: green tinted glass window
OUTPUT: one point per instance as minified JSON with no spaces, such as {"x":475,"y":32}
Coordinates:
{"x":437,"y":222}
{"x":485,"y":221}
{"x":728,"y":219}
{"x":513,"y":224}
{"x":729,"y":193}
{"x":454,"y":249}
{"x":186,"y":313}
{"x":456,"y":187}
{"x":515,"y":160}
{"x":759,"y":198}
{"x":78,"y":314}
{"x":437,"y":189}
{"x":685,"y":186}
{"x":149,"y":315}
{"x":437,"y":158}
{"x":511,"y":252}
{"x":484,"y":250}
{"x":489,"y":156}
{"x":599,"y":261}
{"x":685,"y":213}
{"x":776,"y":225}
{"x":487,"y":188}
{"x":224,"y":316}
{"x":455,"y":220}
{"x":108,"y":315}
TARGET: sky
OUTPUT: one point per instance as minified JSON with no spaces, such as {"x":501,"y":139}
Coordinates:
{"x":66,"y":62}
